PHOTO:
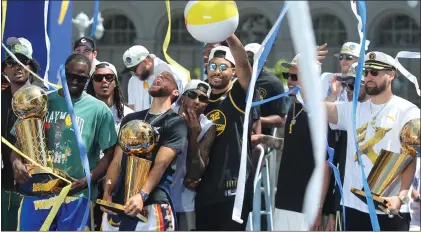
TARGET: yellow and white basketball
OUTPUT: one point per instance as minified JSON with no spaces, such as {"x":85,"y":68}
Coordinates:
{"x":211,"y":21}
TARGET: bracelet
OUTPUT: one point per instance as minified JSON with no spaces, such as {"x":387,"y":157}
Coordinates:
{"x":144,"y":195}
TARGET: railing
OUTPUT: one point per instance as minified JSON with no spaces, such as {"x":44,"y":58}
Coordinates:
{"x":264,"y":182}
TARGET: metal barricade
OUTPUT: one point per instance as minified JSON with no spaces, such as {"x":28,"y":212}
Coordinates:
{"x":264,"y":182}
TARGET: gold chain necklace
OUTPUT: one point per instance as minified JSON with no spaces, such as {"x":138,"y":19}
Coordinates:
{"x":294,"y":117}
{"x":373,"y":119}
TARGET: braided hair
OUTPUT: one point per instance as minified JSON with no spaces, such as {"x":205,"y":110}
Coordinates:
{"x":118,"y":98}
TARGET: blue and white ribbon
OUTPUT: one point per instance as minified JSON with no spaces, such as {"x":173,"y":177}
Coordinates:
{"x":302,"y":33}
{"x":360,"y":25}
{"x":408,"y":75}
{"x":95,"y":18}
{"x":259,"y":60}
{"x":369,"y":197}
{"x":81,"y":146}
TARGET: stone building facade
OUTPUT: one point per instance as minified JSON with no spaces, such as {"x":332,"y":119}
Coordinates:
{"x":392,"y":26}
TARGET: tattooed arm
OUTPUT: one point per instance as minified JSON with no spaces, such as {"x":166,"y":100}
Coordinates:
{"x":198,"y":154}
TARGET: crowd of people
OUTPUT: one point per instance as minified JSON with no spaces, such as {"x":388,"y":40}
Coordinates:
{"x":192,"y":182}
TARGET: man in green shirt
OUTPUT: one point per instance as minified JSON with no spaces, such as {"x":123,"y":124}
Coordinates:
{"x":96,"y":126}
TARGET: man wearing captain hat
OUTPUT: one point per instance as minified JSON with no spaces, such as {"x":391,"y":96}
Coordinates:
{"x":379,"y":121}
{"x":333,"y":198}
{"x":154,"y":196}
{"x":348,"y":55}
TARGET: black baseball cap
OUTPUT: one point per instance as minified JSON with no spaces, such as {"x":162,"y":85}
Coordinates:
{"x":85,"y":41}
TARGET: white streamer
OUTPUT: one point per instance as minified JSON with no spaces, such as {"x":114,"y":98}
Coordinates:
{"x":408,"y":75}
{"x":239,"y":194}
{"x":304,"y":43}
{"x":47,"y":42}
{"x":360,"y":24}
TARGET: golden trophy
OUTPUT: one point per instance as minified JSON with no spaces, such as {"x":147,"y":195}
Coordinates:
{"x":137,"y":138}
{"x":389,"y":166}
{"x":30,"y":105}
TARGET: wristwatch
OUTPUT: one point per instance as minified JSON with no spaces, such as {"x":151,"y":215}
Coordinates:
{"x":144,"y":195}
{"x":404,"y":199}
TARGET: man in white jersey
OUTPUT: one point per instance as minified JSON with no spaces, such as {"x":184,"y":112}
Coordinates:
{"x":379,"y":123}
{"x":191,"y":163}
{"x":348,"y":55}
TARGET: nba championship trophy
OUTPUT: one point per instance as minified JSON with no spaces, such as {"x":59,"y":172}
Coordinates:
{"x":137,"y":139}
{"x":389,"y":166}
{"x":30,"y":105}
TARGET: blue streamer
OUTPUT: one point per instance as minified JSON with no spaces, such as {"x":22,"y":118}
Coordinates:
{"x":369,"y":197}
{"x":81,"y":146}
{"x":268,"y":46}
{"x":95,"y":22}
{"x":337,"y":176}
{"x":294,"y":90}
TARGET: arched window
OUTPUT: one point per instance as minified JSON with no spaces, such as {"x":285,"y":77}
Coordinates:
{"x":179,"y":33}
{"x":118,"y":30}
{"x":398,"y":30}
{"x":329,"y":29}
{"x":253,"y":28}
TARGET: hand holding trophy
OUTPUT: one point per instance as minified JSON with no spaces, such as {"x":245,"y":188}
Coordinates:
{"x":137,"y":139}
{"x":389,"y":166}
{"x":30,"y":105}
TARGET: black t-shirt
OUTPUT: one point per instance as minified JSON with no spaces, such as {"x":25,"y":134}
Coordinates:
{"x":172,"y":131}
{"x":8,"y":119}
{"x":219,"y":181}
{"x":297,"y":163}
{"x":268,"y":85}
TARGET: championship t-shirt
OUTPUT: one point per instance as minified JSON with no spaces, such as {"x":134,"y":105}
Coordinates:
{"x":219,"y":182}
{"x":172,"y":131}
{"x":268,"y":85}
{"x":96,"y":126}
{"x":383,"y":133}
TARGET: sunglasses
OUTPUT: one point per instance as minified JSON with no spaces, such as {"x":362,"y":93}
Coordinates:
{"x":100,"y":77}
{"x":10,"y":63}
{"x":193,"y":95}
{"x":81,"y":79}
{"x":222,"y":67}
{"x":287,"y":75}
{"x":374,"y":72}
{"x":351,"y":86}
{"x":347,"y":57}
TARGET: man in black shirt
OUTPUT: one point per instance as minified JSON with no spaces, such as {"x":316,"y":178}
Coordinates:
{"x":154,"y":196}
{"x":297,"y":165}
{"x":18,"y":77}
{"x":268,"y":85}
{"x":216,"y":191}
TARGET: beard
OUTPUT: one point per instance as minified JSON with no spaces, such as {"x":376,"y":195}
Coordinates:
{"x":161,"y":92}
{"x":373,"y":91}
{"x":223,"y":84}
{"x":144,"y":74}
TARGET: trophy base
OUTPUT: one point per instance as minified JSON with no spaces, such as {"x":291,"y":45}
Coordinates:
{"x":377,"y":200}
{"x":119,"y":209}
